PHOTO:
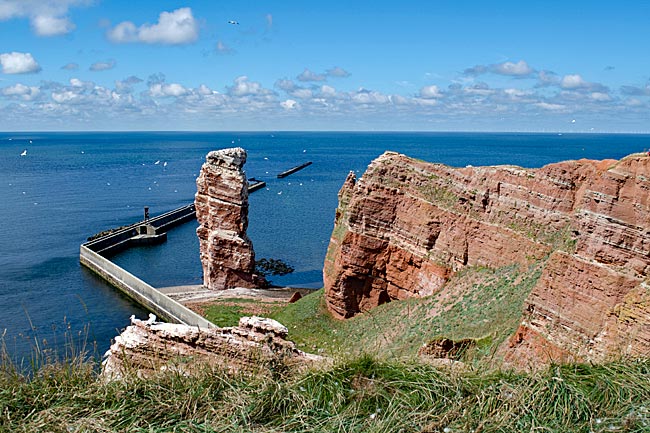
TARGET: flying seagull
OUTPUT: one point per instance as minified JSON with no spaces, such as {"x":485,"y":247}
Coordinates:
{"x":233,"y":22}
{"x":24,"y":153}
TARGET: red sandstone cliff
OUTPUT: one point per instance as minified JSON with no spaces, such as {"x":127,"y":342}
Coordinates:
{"x":406,"y":226}
{"x":221,"y":201}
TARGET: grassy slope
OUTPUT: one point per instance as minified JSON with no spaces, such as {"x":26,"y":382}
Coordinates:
{"x":479,"y":303}
{"x":359,"y":395}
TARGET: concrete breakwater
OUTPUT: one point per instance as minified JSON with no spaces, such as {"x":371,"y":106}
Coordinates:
{"x":294,"y":169}
{"x":150,"y":230}
{"x":146,"y":232}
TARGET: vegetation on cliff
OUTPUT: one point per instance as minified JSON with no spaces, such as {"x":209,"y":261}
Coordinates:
{"x":357,"y":395}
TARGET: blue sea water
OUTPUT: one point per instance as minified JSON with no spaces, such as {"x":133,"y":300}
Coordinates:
{"x":71,"y":185}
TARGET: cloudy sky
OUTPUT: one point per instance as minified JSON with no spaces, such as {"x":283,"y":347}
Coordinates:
{"x":436,"y":65}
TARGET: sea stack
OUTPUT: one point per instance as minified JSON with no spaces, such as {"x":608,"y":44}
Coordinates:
{"x":407,"y":226}
{"x":221,"y":201}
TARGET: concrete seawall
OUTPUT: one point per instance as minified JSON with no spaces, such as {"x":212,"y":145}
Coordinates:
{"x":149,"y":231}
{"x":152,"y":299}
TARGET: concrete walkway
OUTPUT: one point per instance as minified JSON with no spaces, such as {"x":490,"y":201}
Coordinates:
{"x":199,"y":293}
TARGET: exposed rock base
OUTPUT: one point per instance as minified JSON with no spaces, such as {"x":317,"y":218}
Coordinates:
{"x":406,"y":226}
{"x":446,"y":348}
{"x":257,"y":345}
{"x":221,"y":200}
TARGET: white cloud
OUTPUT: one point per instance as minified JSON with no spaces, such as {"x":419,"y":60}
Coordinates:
{"x":205,"y":90}
{"x":173,"y":28}
{"x":338,"y":72}
{"x":517,"y":94}
{"x":301,"y":93}
{"x":479,"y":89}
{"x":518,"y":69}
{"x":52,"y":26}
{"x":102,"y":66}
{"x":327,"y":91}
{"x":18,"y":63}
{"x":430,"y":92}
{"x":162,"y":90}
{"x":26,"y":93}
{"x":76,"y":82}
{"x":126,"y":86}
{"x":47,"y":18}
{"x":600,"y":96}
{"x":547,"y":78}
{"x":549,"y":106}
{"x":65,"y":97}
{"x":289,"y":104}
{"x":70,"y":67}
{"x":308,"y":75}
{"x":574,"y":81}
{"x":285,"y":84}
{"x":244,"y":87}
{"x":369,"y":97}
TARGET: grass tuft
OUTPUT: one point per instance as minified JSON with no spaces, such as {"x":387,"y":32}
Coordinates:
{"x":360,"y":394}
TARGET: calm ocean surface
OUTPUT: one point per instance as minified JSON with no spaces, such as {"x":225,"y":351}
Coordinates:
{"x":72,"y":185}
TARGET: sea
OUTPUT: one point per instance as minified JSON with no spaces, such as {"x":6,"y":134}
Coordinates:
{"x":56,"y":189}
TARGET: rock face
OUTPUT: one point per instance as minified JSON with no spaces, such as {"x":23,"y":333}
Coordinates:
{"x":406,"y":226}
{"x":256,"y":345}
{"x":221,"y":201}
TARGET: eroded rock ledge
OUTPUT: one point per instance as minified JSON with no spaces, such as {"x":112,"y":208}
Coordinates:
{"x":406,"y":226}
{"x":221,"y":200}
{"x":254,"y":346}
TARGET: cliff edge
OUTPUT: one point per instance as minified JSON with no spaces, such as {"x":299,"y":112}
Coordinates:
{"x":407,"y":226}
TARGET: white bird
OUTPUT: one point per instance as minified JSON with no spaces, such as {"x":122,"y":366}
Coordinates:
{"x":165,"y":164}
{"x":266,"y":158}
{"x":151,"y":320}
{"x":157,"y":162}
{"x":30,"y":141}
{"x":233,"y":22}
{"x":24,"y":153}
{"x":573,"y":121}
{"x":280,"y":193}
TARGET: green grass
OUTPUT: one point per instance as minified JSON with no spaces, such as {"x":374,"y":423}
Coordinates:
{"x":487,"y":309}
{"x":360,"y":394}
{"x":227,"y":312}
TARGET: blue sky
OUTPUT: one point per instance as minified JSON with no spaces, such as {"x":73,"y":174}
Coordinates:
{"x":581,"y":66}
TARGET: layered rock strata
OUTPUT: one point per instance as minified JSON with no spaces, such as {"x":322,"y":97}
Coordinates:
{"x":406,"y":226}
{"x":221,"y":200}
{"x":255,"y":346}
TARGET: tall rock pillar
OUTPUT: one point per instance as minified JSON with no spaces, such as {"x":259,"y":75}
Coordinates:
{"x":221,"y":201}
